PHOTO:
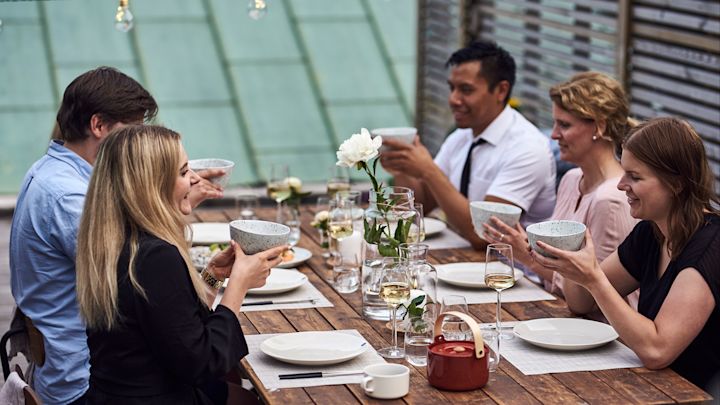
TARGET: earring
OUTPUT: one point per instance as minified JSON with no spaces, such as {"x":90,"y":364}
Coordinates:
{"x":594,"y":138}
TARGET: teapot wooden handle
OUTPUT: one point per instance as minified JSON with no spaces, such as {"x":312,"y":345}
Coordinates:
{"x":474,"y":327}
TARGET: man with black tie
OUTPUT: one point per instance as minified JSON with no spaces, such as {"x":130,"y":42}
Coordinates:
{"x":494,"y":155}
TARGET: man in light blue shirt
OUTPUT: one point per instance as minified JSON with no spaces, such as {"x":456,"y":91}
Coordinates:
{"x":47,"y":215}
{"x":43,"y":237}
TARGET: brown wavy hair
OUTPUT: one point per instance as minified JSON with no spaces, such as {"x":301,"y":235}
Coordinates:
{"x":596,"y":97}
{"x":676,"y":154}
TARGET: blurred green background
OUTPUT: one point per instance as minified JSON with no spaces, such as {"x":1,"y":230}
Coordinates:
{"x":287,"y":88}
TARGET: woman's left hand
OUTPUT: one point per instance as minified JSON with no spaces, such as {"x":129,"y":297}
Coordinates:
{"x":500,"y":232}
{"x":220,"y":265}
{"x":201,"y":188}
{"x":581,"y":266}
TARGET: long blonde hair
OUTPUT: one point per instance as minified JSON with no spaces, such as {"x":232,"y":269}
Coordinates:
{"x":596,"y":97}
{"x":676,"y":154}
{"x":131,"y":191}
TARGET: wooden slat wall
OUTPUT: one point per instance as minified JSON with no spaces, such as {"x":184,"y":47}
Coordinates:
{"x":675,"y":65}
{"x":438,"y":36}
{"x":666,"y":52}
{"x":551,"y":40}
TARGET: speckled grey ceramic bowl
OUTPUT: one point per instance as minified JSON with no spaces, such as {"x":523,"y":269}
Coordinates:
{"x":402,"y":134}
{"x":202,"y":164}
{"x":254,"y":236}
{"x":481,"y":211}
{"x":565,"y":235}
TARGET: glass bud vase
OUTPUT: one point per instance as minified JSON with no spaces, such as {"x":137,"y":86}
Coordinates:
{"x":381,"y":222}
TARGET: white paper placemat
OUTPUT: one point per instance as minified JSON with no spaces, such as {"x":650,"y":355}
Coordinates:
{"x":532,"y":360}
{"x":268,"y":369}
{"x":447,"y":239}
{"x":307,"y":290}
{"x":523,"y":291}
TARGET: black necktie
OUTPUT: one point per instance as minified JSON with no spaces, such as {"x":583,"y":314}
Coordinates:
{"x":465,"y":179}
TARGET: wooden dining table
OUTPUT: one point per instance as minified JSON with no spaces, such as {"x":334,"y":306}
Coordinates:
{"x":507,"y":385}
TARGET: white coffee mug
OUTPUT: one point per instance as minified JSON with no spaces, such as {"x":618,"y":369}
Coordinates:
{"x":386,"y":381}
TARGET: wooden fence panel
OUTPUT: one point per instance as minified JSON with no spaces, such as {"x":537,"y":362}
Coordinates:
{"x":438,"y":36}
{"x":666,"y":53}
{"x":551,"y":40}
{"x":675,"y":66}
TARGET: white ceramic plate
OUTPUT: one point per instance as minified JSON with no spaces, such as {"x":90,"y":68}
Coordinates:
{"x":566,"y":334}
{"x":280,"y":281}
{"x":467,"y":274}
{"x":314,"y":348}
{"x":206,"y":233}
{"x":301,"y":256}
{"x":434,"y":226}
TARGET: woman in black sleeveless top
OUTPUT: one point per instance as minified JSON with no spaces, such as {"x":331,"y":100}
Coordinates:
{"x":673,"y":256}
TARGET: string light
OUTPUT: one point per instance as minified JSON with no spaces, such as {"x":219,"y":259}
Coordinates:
{"x":123,"y":17}
{"x":257,"y":9}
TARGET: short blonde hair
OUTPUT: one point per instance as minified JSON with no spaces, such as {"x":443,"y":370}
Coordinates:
{"x":130,"y":191}
{"x":597,"y":97}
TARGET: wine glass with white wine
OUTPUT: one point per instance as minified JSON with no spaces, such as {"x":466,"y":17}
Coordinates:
{"x":339,"y":181}
{"x":394,"y":290}
{"x":278,"y":187}
{"x":340,"y":222}
{"x":499,"y":275}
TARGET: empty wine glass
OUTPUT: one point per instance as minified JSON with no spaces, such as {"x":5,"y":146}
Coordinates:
{"x":454,"y":328}
{"x":278,"y":187}
{"x":394,"y":290}
{"x":499,"y":275}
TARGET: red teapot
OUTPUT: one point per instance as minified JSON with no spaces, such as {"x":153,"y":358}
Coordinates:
{"x":458,"y":365}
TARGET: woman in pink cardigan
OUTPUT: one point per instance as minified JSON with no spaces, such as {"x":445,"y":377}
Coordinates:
{"x":590,"y":113}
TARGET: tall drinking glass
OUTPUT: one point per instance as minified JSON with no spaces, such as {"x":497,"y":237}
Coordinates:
{"x":290,"y":217}
{"x":454,"y":328}
{"x":394,"y":290}
{"x":423,"y":275}
{"x":417,"y":231}
{"x":499,"y":275}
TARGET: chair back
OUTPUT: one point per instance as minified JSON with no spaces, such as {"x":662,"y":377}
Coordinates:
{"x":30,"y":395}
{"x":37,"y":344}
{"x":30,"y":340}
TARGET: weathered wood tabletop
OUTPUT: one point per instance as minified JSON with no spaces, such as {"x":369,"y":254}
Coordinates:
{"x":507,"y":386}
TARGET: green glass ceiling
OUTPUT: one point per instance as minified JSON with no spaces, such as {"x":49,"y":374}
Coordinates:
{"x":285,"y":89}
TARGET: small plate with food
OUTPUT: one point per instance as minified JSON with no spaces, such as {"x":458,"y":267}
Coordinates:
{"x":294,"y":257}
{"x":201,"y":255}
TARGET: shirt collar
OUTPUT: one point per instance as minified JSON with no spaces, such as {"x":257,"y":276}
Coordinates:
{"x":58,"y":151}
{"x":497,"y":128}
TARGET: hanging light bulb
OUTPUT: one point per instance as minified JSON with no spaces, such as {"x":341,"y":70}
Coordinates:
{"x":123,"y":17}
{"x":257,"y":9}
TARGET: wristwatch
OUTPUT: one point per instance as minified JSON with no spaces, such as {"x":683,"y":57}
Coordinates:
{"x":210,"y":279}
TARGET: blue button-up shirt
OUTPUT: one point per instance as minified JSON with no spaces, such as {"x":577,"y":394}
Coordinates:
{"x":43,"y":242}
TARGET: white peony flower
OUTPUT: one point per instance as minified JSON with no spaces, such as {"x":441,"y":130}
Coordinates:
{"x":322,"y":216}
{"x":294,"y":182}
{"x":359,"y":148}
